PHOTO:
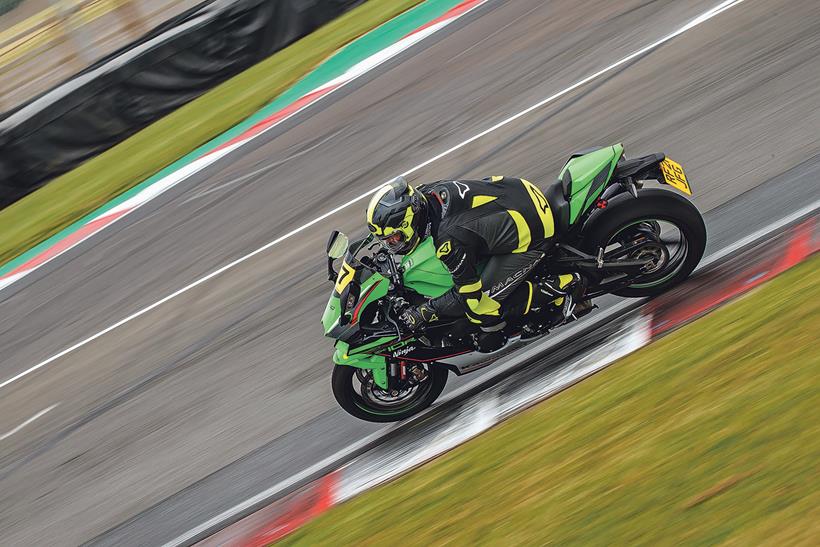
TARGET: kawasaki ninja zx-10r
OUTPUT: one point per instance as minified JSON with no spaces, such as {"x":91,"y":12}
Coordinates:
{"x":622,"y":238}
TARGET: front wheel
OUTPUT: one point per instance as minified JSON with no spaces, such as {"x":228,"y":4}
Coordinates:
{"x":665,"y":229}
{"x":356,"y":392}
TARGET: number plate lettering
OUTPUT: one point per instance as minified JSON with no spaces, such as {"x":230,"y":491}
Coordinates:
{"x":674,"y":176}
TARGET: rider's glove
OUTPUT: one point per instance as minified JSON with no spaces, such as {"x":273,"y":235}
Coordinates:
{"x":415,"y":318}
{"x":399,"y":304}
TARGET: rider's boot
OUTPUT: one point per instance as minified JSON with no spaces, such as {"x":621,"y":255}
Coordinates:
{"x":555,"y":300}
{"x":488,"y":342}
{"x":562,"y":289}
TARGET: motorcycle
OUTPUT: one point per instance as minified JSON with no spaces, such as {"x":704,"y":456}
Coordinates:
{"x":623,"y":238}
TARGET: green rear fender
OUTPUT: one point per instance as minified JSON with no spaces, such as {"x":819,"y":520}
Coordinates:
{"x":589,"y":175}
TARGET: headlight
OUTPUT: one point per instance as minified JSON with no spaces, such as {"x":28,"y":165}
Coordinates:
{"x":348,"y":299}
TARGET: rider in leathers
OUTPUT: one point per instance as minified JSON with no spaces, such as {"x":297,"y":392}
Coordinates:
{"x":503,"y":218}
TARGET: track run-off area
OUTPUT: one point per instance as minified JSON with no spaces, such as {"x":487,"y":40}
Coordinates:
{"x":214,"y":384}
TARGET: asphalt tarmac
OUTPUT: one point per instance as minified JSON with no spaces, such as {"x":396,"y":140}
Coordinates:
{"x":220,"y":392}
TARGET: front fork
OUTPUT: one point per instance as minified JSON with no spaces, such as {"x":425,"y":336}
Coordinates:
{"x":367,"y":361}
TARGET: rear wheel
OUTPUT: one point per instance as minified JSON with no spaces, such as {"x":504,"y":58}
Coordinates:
{"x":660,"y":227}
{"x":357,"y":393}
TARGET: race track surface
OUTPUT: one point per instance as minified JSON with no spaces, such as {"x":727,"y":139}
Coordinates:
{"x":230,"y":381}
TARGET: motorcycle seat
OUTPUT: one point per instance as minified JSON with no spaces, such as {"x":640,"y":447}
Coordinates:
{"x":559,"y":205}
{"x":645,"y":166}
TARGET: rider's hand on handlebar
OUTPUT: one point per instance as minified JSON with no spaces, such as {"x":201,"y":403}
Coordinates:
{"x":416,"y":318}
{"x":412,"y":319}
{"x":399,"y":304}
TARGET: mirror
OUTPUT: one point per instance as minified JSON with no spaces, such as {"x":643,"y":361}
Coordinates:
{"x":337,"y":244}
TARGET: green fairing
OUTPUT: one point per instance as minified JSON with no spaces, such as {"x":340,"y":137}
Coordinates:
{"x":333,"y":311}
{"x":424,"y":272}
{"x":372,"y":345}
{"x":378,"y":292}
{"x":376,"y":363}
{"x":583,"y":170}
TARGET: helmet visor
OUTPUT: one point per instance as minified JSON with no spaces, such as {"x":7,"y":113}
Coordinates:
{"x":394,"y":242}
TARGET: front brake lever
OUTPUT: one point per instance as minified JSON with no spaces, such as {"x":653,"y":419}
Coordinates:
{"x":392,"y":321}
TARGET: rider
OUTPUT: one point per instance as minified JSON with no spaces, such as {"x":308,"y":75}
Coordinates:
{"x":503,"y":218}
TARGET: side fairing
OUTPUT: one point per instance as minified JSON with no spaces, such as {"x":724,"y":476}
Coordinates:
{"x":351,"y":299}
{"x":333,"y":311}
{"x":586,"y":177}
{"x":424,"y":272}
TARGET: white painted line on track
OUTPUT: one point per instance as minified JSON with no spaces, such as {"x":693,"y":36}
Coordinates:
{"x":766,"y":230}
{"x":8,"y":434}
{"x":702,"y":18}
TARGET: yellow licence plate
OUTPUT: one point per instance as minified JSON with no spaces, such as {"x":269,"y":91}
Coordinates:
{"x":674,"y":176}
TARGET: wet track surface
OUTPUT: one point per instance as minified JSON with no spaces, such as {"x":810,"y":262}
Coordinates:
{"x":231,"y":380}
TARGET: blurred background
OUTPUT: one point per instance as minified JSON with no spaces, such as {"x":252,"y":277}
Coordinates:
{"x":80,"y":76}
{"x":43,"y":42}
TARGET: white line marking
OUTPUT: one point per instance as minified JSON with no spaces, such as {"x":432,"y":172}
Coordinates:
{"x":5,"y":436}
{"x":766,"y":230}
{"x":720,"y":8}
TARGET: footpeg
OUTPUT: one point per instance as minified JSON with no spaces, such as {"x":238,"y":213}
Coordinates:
{"x":581,"y":309}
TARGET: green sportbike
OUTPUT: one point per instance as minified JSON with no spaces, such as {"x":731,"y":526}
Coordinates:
{"x":622,"y":236}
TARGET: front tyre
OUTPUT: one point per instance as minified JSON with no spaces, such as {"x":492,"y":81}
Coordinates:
{"x":672,"y":221}
{"x":356,"y":392}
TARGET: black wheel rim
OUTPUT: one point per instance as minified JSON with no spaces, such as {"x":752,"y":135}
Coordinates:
{"x":374,"y":400}
{"x":666,"y":254}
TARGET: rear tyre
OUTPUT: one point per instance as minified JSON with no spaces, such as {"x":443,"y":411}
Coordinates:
{"x":653,"y":208}
{"x":360,"y":397}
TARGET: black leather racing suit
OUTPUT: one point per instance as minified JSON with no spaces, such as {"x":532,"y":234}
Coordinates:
{"x":503,"y":218}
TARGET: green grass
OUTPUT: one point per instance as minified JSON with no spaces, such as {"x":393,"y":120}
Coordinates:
{"x":71,"y":196}
{"x":710,"y":435}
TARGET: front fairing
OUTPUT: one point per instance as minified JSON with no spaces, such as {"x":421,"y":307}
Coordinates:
{"x":352,"y":305}
{"x":356,"y":288}
{"x":351,"y":315}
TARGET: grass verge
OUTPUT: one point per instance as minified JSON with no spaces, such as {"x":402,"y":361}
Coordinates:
{"x":73,"y":195}
{"x":710,"y":435}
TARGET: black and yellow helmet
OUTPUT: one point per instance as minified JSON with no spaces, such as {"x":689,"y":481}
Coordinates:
{"x":396,"y":214}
